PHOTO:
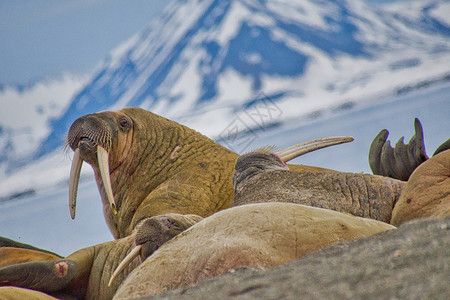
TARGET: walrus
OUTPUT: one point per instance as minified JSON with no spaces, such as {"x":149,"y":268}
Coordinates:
{"x":146,"y":165}
{"x":85,"y":273}
{"x":261,"y":176}
{"x":13,"y":252}
{"x":255,"y":235}
{"x":13,"y":255}
{"x":427,"y":193}
{"x":14,"y":293}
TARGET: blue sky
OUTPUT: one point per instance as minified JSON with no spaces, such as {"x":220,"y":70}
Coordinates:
{"x":44,"y":38}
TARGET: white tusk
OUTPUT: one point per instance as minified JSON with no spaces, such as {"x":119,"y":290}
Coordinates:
{"x":309,"y":146}
{"x":74,"y":178}
{"x":125,"y":262}
{"x":103,"y":165}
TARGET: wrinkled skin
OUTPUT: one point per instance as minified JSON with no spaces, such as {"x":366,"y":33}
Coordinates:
{"x":427,"y":193}
{"x":85,"y":273}
{"x":157,"y":166}
{"x":257,"y":235}
{"x":262,"y":177}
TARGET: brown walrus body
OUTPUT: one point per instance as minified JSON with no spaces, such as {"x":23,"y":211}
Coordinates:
{"x":256,"y":235}
{"x":156,"y":166}
{"x":262,"y":177}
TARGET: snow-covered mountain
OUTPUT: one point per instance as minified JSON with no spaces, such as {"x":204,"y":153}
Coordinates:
{"x":206,"y":62}
{"x":25,"y":113}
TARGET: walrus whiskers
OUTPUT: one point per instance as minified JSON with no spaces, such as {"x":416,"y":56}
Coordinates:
{"x":74,"y":178}
{"x":312,"y":145}
{"x":103,"y":165}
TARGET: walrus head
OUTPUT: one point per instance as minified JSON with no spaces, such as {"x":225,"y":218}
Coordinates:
{"x":93,"y":137}
{"x":151,"y":233}
{"x":263,"y":159}
{"x":146,"y":165}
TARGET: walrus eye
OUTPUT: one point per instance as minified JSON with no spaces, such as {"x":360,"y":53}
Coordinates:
{"x":123,"y":122}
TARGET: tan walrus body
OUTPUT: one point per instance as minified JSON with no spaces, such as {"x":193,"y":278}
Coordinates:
{"x":255,"y":235}
{"x":427,"y":193}
{"x":15,"y":293}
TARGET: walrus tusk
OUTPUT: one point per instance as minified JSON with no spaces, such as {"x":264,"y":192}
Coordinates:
{"x":125,"y":262}
{"x":103,"y":165}
{"x":74,"y":178}
{"x":309,"y":146}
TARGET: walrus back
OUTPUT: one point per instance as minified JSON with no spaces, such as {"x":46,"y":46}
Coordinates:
{"x":362,"y":195}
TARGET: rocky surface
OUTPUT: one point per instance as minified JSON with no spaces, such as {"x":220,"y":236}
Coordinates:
{"x":412,"y":262}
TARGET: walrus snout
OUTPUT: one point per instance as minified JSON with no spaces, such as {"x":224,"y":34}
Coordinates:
{"x":91,"y":137}
{"x":153,"y":232}
{"x":88,"y":150}
{"x":96,"y":128}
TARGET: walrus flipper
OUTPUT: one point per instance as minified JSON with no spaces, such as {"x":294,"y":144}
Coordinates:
{"x":398,"y":162}
{"x":444,"y":146}
{"x":45,"y":276}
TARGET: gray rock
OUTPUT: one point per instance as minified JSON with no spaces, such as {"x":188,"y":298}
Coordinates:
{"x":412,"y":262}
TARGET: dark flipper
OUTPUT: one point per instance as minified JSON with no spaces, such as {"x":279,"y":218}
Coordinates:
{"x":5,"y":242}
{"x":445,"y":146}
{"x":45,"y":276}
{"x":398,"y":162}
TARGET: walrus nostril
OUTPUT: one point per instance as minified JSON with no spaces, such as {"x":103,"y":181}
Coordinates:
{"x":86,"y":140}
{"x":86,"y":146}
